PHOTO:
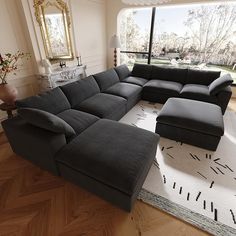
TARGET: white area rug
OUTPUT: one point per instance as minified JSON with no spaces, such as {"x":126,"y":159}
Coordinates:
{"x":194,"y":184}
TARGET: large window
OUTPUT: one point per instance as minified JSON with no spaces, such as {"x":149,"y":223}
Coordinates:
{"x":193,"y":36}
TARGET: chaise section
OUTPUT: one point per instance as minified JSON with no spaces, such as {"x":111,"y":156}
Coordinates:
{"x":106,"y":160}
{"x":104,"y":106}
{"x":131,"y":92}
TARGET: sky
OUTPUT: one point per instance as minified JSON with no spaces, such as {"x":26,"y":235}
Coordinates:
{"x":168,"y":19}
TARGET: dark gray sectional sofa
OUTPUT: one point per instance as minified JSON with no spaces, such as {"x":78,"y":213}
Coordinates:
{"x":161,"y":83}
{"x":72,"y":130}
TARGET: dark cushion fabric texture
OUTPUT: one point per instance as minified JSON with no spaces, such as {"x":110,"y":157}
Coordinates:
{"x":107,"y":152}
{"x":142,"y":70}
{"x":78,"y":91}
{"x":202,"y":77}
{"x":106,"y":79}
{"x":104,"y":106}
{"x":78,"y":120}
{"x":46,"y":120}
{"x":34,"y":144}
{"x":169,"y":74}
{"x":53,"y":101}
{"x":135,"y":80}
{"x":188,"y":114}
{"x":124,"y":90}
{"x":197,"y":92}
{"x":161,"y":86}
{"x":219,"y":84}
{"x":122,"y":71}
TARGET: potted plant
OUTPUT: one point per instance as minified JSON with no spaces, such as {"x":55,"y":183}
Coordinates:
{"x":8,"y":64}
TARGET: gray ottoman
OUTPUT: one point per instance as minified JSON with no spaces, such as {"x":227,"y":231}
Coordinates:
{"x":193,"y":122}
{"x":110,"y":159}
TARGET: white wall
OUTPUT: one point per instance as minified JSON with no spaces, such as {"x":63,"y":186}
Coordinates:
{"x":89,"y":23}
{"x":14,"y":37}
{"x":88,"y":33}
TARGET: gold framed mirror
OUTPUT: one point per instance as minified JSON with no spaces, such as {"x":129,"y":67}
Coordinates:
{"x":55,"y":25}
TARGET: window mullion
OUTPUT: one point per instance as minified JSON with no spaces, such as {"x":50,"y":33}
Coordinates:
{"x":151,"y":34}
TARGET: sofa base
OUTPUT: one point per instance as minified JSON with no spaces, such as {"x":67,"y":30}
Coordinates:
{"x":194,"y":138}
{"x":154,"y":97}
{"x":106,"y":192}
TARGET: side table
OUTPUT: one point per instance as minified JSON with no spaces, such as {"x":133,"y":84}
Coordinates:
{"x":8,"y":108}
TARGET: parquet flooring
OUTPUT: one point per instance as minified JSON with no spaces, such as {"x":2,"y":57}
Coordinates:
{"x":35,"y":203}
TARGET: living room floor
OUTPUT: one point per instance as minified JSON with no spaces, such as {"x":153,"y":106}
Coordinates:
{"x":34,"y":202}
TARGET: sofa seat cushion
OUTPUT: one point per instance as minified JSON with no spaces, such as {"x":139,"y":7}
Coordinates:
{"x":53,"y":101}
{"x":109,"y":154}
{"x":78,"y":120}
{"x":124,"y":90}
{"x":106,"y":79}
{"x":188,"y":114}
{"x":104,"y":106}
{"x":135,"y":80}
{"x":131,"y":92}
{"x":165,"y":87}
{"x":80,"y":90}
{"x":197,"y":92}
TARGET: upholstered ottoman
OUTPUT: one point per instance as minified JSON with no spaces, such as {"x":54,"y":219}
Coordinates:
{"x":193,"y":122}
{"x":110,"y":159}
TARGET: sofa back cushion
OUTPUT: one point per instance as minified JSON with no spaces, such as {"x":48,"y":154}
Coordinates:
{"x":202,"y":77}
{"x":53,"y":101}
{"x":46,"y":120}
{"x":142,"y":70}
{"x":106,"y":79}
{"x":80,"y":90}
{"x":169,"y":74}
{"x":122,"y":71}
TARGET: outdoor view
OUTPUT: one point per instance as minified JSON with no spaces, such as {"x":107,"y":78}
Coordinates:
{"x":196,"y":36}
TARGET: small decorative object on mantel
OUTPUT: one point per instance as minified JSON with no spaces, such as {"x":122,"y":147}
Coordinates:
{"x":62,"y":64}
{"x":78,"y":58}
{"x":47,"y":66}
{"x":8,"y":64}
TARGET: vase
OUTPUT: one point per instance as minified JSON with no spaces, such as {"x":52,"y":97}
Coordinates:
{"x":8,"y":93}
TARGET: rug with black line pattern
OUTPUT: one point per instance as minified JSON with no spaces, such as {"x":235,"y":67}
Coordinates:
{"x":193,"y":184}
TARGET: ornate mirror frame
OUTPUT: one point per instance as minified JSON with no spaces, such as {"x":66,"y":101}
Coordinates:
{"x":55,"y":49}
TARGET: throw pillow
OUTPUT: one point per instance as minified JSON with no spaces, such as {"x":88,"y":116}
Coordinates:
{"x":220,"y":83}
{"x":46,"y":120}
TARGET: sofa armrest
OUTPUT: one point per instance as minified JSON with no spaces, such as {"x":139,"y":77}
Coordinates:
{"x":223,"y":98}
{"x":34,"y":144}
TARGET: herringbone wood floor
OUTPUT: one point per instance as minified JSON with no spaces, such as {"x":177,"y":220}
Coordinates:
{"x":35,"y":203}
